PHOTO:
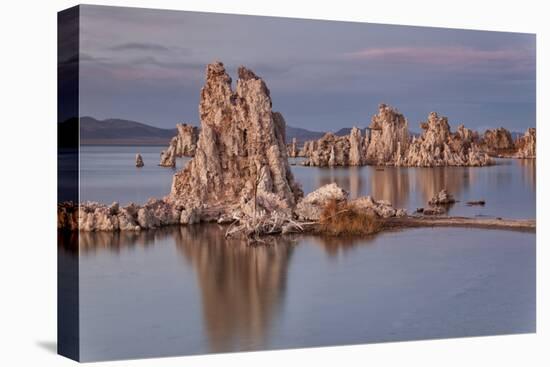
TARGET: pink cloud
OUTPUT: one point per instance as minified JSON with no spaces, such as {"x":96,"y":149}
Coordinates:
{"x":444,"y":55}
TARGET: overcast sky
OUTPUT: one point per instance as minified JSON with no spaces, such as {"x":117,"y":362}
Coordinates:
{"x":148,"y":66}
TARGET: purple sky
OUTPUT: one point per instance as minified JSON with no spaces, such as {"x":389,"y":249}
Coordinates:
{"x":148,"y":66}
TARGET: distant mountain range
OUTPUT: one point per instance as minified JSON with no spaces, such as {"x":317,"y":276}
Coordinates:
{"x":127,"y":132}
{"x":122,"y":132}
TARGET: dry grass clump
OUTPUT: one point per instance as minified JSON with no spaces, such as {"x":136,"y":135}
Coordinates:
{"x":343,"y":218}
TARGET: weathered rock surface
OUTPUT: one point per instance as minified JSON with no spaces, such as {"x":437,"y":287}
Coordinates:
{"x":293,"y":149}
{"x":442,"y":198}
{"x":439,"y":204}
{"x":95,"y":217}
{"x":308,"y":148}
{"x":432,"y":210}
{"x":311,"y":206}
{"x":241,"y":155}
{"x":139,"y":160}
{"x":497,"y":141}
{"x":183,"y":144}
{"x":387,"y":142}
{"x":330,"y":150}
{"x":388,"y":138}
{"x":382,"y":208}
{"x":355,"y":147}
{"x":526,"y":145}
{"x":67,"y":216}
{"x":187,"y":138}
{"x":168,"y":156}
{"x":438,"y":146}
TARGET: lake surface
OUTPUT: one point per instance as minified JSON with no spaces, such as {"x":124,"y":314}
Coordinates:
{"x":109,"y":174}
{"x":188,"y":290}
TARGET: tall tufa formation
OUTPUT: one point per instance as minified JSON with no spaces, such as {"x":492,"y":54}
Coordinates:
{"x":497,"y":141}
{"x":241,"y":152}
{"x":355,"y":147}
{"x":438,"y":146}
{"x":526,"y":145}
{"x":388,"y":138}
{"x":293,"y":149}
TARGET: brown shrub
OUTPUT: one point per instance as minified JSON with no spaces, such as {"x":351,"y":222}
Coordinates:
{"x":343,"y":218}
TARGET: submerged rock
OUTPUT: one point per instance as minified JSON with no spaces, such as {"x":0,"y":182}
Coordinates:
{"x":382,"y":208}
{"x":139,"y":160}
{"x":241,"y":151}
{"x":442,"y":198}
{"x":526,"y":145}
{"x":433,"y":210}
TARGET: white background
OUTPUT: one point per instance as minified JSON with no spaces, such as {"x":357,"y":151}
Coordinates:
{"x":28,"y":182}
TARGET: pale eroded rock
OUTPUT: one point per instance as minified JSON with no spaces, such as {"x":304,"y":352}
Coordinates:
{"x":526,"y":145}
{"x":241,"y":151}
{"x":388,"y":136}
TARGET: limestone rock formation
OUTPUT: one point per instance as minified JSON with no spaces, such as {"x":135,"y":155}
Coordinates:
{"x":293,"y":149}
{"x":498,"y":141}
{"x":241,"y":156}
{"x":308,"y":148}
{"x":438,"y":146}
{"x":95,"y":217}
{"x":382,"y":208}
{"x":355,"y":147}
{"x":330,"y":150}
{"x":442,"y":198}
{"x":139,"y":160}
{"x":388,"y":138}
{"x":183,"y":144}
{"x":311,"y":206}
{"x":526,"y":145}
{"x":187,"y":138}
{"x":67,"y":216}
{"x":168,"y":156}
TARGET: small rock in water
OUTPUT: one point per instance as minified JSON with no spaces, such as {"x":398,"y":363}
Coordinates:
{"x":442,"y":198}
{"x":139,"y":160}
{"x":433,"y":210}
{"x":478,"y":202}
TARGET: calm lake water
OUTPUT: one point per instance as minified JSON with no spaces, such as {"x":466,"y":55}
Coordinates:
{"x":187,"y":290}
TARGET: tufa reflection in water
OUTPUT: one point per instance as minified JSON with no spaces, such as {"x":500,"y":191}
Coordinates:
{"x":241,"y":286}
{"x":529,"y":171}
{"x":396,"y":184}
